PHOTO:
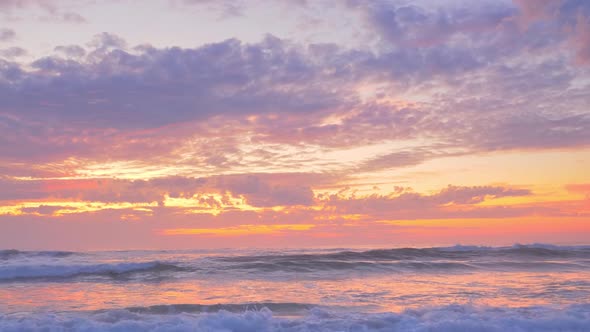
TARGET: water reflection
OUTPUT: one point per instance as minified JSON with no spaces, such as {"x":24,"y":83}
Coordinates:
{"x":371,"y":293}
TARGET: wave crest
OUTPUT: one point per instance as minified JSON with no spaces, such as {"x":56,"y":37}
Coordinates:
{"x":13,"y":253}
{"x":10,"y":273}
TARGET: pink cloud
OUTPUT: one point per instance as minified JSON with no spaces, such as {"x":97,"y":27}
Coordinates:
{"x":538,"y":9}
{"x":581,"y":39}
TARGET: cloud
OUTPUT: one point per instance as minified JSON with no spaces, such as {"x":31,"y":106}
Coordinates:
{"x":579,"y":188}
{"x":254,"y":131}
{"x":124,"y":95}
{"x":450,"y":202}
{"x":72,"y":17}
{"x":408,"y":25}
{"x":44,"y":210}
{"x":13,"y":52}
{"x":258,"y":190}
{"x":226,"y":9}
{"x":19,"y":190}
{"x":104,"y":190}
{"x":51,"y":10}
{"x":107,"y":40}
{"x":490,"y":29}
{"x":242,"y":230}
{"x":108,"y":229}
{"x":396,"y":160}
{"x":538,"y":9}
{"x":170,"y":85}
{"x":533,"y":131}
{"x":7,"y":35}
{"x":71,"y":50}
{"x":66,"y":17}
{"x":462,"y":78}
{"x":570,"y":18}
{"x":474,"y":195}
{"x":9,"y":5}
{"x":581,"y":39}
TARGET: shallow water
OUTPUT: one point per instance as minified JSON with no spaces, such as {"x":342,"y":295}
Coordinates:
{"x":518,"y":288}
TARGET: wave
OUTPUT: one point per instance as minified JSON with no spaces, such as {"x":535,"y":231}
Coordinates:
{"x":10,"y":273}
{"x":313,"y":265}
{"x":458,"y":251}
{"x":445,"y":259}
{"x":386,"y":254}
{"x":283,"y":308}
{"x":447,"y":318}
{"x":58,"y":266}
{"x":13,"y":253}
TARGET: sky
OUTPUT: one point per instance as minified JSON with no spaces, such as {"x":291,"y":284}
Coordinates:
{"x":176,"y":124}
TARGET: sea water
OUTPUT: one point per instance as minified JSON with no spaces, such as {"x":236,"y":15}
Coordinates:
{"x":461,"y":288}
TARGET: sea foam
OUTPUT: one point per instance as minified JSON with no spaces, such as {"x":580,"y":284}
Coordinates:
{"x":449,"y":318}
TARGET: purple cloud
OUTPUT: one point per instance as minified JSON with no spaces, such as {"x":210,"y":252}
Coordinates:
{"x":411,"y":205}
{"x":261,"y":190}
{"x":486,"y":81}
{"x":71,"y":50}
{"x":13,"y":52}
{"x":7,"y":35}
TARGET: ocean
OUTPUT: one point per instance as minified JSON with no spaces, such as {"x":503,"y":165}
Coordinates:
{"x":461,"y":288}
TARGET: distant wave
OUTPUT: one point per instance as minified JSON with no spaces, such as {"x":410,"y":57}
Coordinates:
{"x":312,"y":264}
{"x":63,"y":272}
{"x":58,"y":266}
{"x":12,"y":253}
{"x":436,"y":252}
{"x":395,"y":253}
{"x":443,"y":319}
{"x":449,"y":259}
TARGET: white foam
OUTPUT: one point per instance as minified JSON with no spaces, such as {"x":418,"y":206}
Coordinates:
{"x":450,"y":318}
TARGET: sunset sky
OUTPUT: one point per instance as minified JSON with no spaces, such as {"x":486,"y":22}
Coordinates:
{"x":200,"y":123}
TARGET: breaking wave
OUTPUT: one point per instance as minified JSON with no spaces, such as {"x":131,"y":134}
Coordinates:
{"x":65,"y":272}
{"x":281,"y":308}
{"x":447,"y":318}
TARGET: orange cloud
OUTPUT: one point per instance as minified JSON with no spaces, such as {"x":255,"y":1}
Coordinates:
{"x":238,"y":230}
{"x":581,"y":188}
{"x":61,"y":185}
